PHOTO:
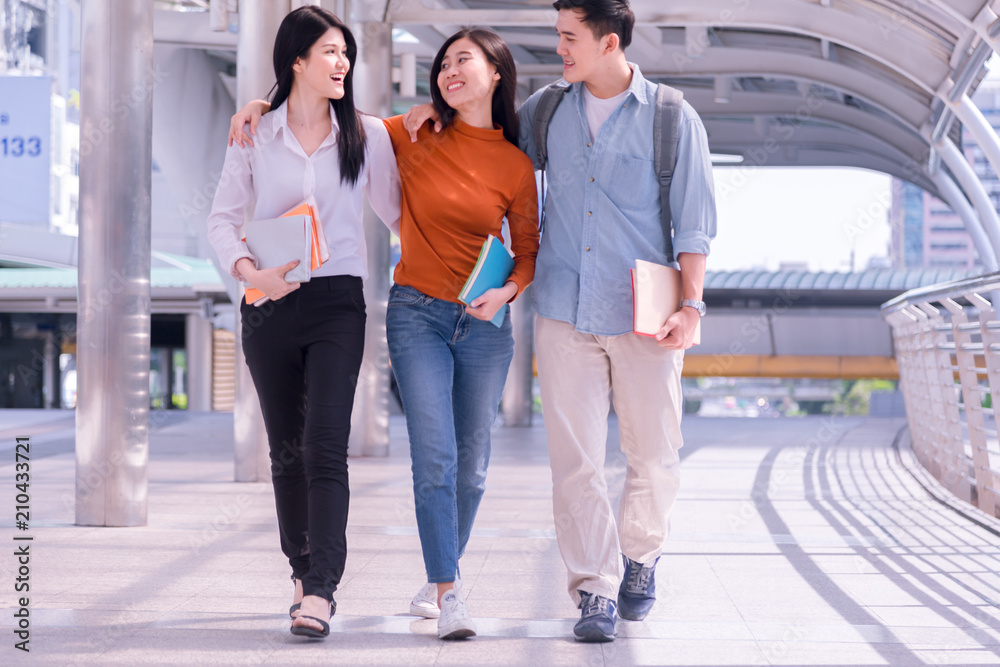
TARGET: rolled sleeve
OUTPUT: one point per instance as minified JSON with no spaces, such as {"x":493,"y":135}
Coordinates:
{"x":692,"y":191}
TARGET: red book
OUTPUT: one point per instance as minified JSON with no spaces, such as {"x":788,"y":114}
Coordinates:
{"x":656,"y":295}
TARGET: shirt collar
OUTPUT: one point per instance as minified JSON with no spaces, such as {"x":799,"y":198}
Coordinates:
{"x":279,"y":122}
{"x":637,"y":87}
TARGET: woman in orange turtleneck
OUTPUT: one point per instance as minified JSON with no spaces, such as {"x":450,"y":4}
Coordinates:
{"x":450,"y":361}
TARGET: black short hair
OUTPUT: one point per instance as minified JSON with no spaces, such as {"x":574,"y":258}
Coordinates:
{"x":604,"y":17}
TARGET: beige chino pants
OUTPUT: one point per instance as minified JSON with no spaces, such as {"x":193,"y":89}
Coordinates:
{"x":576,"y":373}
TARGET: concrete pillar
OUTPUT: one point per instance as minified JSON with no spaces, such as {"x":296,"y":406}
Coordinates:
{"x":373,"y":94}
{"x":517,"y":396}
{"x":198,"y":353}
{"x":259,"y":23}
{"x":50,"y":370}
{"x":167,"y":355}
{"x":408,"y":75}
{"x":112,"y":416}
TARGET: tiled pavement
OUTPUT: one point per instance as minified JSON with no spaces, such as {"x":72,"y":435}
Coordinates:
{"x":795,"y":542}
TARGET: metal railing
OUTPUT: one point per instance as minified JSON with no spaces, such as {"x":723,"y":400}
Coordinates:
{"x":947,"y":343}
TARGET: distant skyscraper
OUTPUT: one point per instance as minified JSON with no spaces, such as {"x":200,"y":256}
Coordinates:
{"x":925,"y":231}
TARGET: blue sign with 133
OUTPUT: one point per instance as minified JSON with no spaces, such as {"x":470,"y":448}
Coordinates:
{"x":25,"y":153}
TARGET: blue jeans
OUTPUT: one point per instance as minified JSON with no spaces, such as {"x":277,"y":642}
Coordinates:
{"x":451,"y":369}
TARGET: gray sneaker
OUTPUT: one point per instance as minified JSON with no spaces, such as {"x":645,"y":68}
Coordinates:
{"x":597,"y":620}
{"x":637,"y":592}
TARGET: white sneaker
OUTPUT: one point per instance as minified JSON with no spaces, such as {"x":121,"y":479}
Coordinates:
{"x":455,"y":622}
{"x":425,"y":603}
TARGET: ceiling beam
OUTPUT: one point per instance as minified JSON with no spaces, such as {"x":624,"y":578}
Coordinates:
{"x":915,"y":54}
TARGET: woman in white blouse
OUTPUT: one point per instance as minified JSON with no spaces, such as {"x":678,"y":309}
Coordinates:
{"x":304,"y":346}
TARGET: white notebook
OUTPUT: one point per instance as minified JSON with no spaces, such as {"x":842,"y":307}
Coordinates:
{"x":656,"y":295}
{"x":277,"y":241}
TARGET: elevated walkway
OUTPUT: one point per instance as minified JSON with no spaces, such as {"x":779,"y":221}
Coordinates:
{"x":795,"y":542}
{"x":796,"y":323}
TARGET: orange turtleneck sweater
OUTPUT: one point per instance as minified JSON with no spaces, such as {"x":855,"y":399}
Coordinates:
{"x":457,"y":187}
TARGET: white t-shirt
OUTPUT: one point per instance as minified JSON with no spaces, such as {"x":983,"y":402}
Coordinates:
{"x":599,"y":110}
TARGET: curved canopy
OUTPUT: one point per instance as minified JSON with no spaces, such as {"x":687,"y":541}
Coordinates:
{"x":859,"y":83}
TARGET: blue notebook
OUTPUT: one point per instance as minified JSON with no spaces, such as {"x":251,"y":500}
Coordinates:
{"x":492,"y":270}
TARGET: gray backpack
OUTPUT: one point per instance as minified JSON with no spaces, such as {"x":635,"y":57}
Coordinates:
{"x":666,"y":126}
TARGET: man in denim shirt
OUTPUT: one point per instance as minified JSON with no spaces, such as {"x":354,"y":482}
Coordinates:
{"x":602,"y":213}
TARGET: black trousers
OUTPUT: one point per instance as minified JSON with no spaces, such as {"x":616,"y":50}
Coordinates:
{"x":304,"y":353}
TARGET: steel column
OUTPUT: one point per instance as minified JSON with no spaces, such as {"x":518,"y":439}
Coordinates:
{"x":50,"y":372}
{"x":517,"y":396}
{"x":259,"y":23}
{"x":198,"y":357}
{"x":112,"y":432}
{"x":373,"y":94}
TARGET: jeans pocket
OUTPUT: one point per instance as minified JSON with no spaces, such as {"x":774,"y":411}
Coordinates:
{"x":403,"y":295}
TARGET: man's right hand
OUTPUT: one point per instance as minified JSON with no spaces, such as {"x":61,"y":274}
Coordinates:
{"x":415,"y":118}
{"x":269,"y":281}
{"x":251,"y":113}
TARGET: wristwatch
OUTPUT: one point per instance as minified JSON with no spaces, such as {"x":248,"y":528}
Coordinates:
{"x":697,"y":305}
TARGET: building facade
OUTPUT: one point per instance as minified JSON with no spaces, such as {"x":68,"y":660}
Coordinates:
{"x":925,"y":231}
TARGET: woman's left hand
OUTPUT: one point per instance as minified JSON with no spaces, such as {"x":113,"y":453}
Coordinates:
{"x":486,"y":306}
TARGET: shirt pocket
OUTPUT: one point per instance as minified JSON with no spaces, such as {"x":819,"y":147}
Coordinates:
{"x":629,"y":182}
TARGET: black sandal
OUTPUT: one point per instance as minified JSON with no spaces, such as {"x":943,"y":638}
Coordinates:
{"x":295,"y":607}
{"x":313,"y":633}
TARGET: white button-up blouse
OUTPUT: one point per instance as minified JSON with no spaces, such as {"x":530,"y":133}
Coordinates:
{"x":274,"y":175}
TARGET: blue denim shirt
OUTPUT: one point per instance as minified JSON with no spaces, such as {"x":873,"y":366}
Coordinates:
{"x":602,"y":211}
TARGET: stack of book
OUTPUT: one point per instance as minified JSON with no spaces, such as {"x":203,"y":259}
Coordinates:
{"x":297,"y":234}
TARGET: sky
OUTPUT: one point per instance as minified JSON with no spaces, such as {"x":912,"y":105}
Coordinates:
{"x":770,"y":216}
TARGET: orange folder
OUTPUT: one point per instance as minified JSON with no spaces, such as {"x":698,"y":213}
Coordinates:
{"x":320,"y":250}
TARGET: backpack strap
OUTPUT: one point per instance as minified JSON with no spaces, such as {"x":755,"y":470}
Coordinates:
{"x":666,"y":129}
{"x":550,"y":99}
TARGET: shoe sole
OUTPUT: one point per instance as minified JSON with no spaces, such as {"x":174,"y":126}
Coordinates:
{"x":458,"y":633}
{"x":632,"y":618}
{"x":595,"y":636}
{"x":311,"y":633}
{"x":630,"y":615}
{"x":426,"y":612}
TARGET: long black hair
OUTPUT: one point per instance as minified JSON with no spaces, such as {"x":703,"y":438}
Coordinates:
{"x":298,"y":32}
{"x":498,"y":55}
